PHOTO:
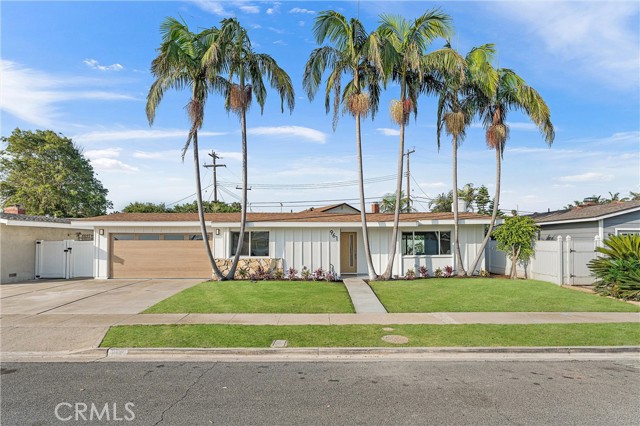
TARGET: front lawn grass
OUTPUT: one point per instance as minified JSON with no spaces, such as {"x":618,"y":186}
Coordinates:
{"x":489,"y":295}
{"x":258,"y":297}
{"x":469,"y":335}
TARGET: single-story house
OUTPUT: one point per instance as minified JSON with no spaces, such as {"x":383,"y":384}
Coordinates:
{"x":169,"y":245}
{"x":587,"y":222}
{"x":19,"y":233}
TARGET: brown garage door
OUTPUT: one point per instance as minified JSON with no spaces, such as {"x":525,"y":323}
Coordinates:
{"x":158,"y":256}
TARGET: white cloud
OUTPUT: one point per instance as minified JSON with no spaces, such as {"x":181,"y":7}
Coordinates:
{"x":302,"y":10}
{"x":174,"y":154}
{"x":514,"y":125}
{"x":280,"y":42}
{"x":387,"y":131}
{"x":32,"y":95}
{"x":276,"y":30}
{"x":301,"y":23}
{"x":103,"y":153}
{"x":275,"y":9}
{"x":135,"y":134}
{"x":586,"y":177}
{"x":214,"y":7}
{"x":249,"y":9}
{"x":111,"y":164}
{"x":93,"y":64}
{"x":305,"y":133}
{"x":599,"y":39}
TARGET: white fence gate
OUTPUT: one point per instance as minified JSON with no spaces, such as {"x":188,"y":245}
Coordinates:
{"x":64,"y":259}
{"x":558,"y":261}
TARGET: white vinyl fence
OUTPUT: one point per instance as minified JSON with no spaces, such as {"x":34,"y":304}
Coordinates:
{"x":64,"y":259}
{"x":562,"y":261}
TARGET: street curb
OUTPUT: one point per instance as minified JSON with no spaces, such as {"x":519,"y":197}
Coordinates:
{"x":125,"y":352}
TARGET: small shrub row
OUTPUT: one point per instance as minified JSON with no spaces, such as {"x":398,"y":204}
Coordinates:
{"x":291,"y":274}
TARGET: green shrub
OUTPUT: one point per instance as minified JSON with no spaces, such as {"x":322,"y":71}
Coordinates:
{"x":618,"y":271}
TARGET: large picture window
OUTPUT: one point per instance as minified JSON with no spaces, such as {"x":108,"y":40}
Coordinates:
{"x":432,"y":243}
{"x":255,"y":243}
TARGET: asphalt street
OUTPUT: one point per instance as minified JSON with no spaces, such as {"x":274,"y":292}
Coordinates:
{"x":322,"y":393}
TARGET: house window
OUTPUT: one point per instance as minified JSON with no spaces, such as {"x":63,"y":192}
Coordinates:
{"x":432,"y":243}
{"x":149,"y":237}
{"x":173,"y":237}
{"x":627,"y":231}
{"x":122,"y":237}
{"x":255,"y":243}
{"x":198,"y":237}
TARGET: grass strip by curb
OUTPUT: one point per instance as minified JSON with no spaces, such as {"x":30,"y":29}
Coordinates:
{"x":461,"y":335}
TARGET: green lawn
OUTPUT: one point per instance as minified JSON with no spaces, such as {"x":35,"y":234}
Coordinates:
{"x":489,"y":295}
{"x":258,"y":297}
{"x":260,"y":336}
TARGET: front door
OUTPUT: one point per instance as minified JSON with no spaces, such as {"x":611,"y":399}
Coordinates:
{"x":348,"y":252}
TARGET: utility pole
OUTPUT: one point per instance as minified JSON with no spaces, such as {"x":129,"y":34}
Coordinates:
{"x":408,"y":153}
{"x":215,"y":166}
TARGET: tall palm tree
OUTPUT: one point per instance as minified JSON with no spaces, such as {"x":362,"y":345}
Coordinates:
{"x":358,"y":55}
{"x":388,"y":203}
{"x":511,"y":93}
{"x":410,"y":40}
{"x":246,"y":71}
{"x":179,"y":66}
{"x":458,"y":87}
{"x":441,"y":203}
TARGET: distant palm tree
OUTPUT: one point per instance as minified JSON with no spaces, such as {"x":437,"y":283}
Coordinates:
{"x":458,"y":89}
{"x":178,"y":66}
{"x":246,"y":70}
{"x":410,"y":40}
{"x":634,"y":196}
{"x":388,"y":203}
{"x":441,"y":203}
{"x":358,"y":55}
{"x":511,"y":93}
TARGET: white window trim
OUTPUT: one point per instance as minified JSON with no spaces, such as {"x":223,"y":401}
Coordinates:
{"x":627,"y":231}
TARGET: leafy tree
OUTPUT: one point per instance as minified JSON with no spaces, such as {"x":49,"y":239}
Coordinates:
{"x":634,"y":196}
{"x":179,"y":65}
{"x":139,"y":207}
{"x":515,"y":237}
{"x":359,"y":55}
{"x":246,"y":72}
{"x":458,"y":89}
{"x":47,"y":174}
{"x":467,"y":193}
{"x":442,"y":202}
{"x":388,"y":203}
{"x":483,"y":200}
{"x":409,"y":40}
{"x":208,"y":207}
{"x":511,"y":93}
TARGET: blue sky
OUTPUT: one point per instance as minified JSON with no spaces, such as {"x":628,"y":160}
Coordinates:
{"x":81,"y":68}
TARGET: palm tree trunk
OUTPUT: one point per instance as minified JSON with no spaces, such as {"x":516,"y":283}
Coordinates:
{"x":243,"y":214}
{"x":494,"y":214}
{"x":363,"y":215}
{"x":460,"y":265}
{"x":396,"y":214}
{"x":203,"y":227}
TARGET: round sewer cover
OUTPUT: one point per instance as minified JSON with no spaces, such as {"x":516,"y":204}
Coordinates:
{"x":387,"y":329}
{"x":394,"y":338}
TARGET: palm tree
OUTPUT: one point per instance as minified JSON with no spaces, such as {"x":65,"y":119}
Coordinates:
{"x":458,"y":87}
{"x":511,"y":93}
{"x":409,"y":40}
{"x":246,"y":71}
{"x":178,"y":66}
{"x":388,"y":203}
{"x":441,"y":203}
{"x":358,"y":55}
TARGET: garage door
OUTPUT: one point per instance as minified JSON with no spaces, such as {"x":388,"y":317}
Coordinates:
{"x":159,"y":256}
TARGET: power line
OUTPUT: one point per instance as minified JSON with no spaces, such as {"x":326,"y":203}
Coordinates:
{"x":313,"y":185}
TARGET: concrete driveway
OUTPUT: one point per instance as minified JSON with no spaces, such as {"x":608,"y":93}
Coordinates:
{"x":74,"y":315}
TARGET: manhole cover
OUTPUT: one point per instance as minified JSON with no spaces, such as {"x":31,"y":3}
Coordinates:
{"x":279,"y":344}
{"x":396,"y":339}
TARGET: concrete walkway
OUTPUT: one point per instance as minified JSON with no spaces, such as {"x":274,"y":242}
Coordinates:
{"x":363,"y":298}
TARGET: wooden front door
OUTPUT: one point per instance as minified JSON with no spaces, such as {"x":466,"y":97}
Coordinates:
{"x":348,"y":252}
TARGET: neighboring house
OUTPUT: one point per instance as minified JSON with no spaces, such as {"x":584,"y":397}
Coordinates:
{"x":18,"y":235}
{"x":587,"y":222}
{"x":169,"y":245}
